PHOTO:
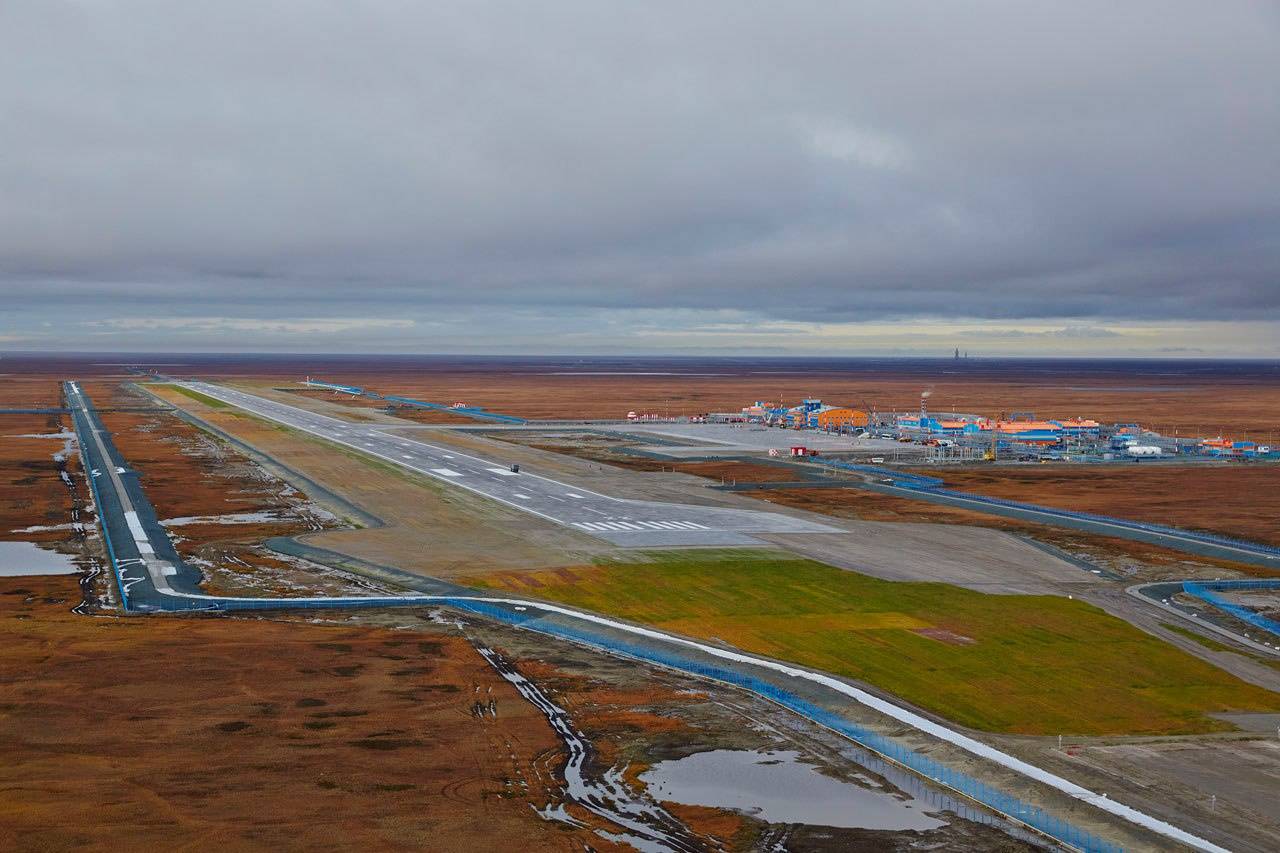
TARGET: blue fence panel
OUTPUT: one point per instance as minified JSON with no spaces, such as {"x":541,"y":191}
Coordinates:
{"x":1207,"y":591}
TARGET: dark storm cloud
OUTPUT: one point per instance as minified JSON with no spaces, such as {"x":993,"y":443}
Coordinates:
{"x":805,"y":161}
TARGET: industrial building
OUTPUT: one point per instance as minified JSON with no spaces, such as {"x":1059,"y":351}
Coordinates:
{"x":811,"y":413}
{"x":1021,"y":435}
{"x":842,"y":418}
{"x":1229,"y":448}
{"x":1027,"y":431}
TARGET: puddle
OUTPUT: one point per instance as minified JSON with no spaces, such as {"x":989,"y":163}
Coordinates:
{"x":26,"y":558}
{"x":264,"y":517}
{"x":777,"y":788}
{"x":644,"y":824}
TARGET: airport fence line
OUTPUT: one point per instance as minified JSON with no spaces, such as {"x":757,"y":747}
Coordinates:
{"x":933,"y":485}
{"x":469,"y":411}
{"x":1207,"y":591}
{"x":992,"y":798}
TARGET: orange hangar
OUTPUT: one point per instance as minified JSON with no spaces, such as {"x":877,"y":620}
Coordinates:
{"x":839,"y":418}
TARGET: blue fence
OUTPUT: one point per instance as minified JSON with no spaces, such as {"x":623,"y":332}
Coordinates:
{"x":469,"y":411}
{"x":1207,"y":591}
{"x":999,"y":801}
{"x":345,"y":389}
{"x":934,"y":485}
{"x":900,"y":478}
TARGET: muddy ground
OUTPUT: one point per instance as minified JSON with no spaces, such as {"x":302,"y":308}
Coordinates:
{"x":34,"y":502}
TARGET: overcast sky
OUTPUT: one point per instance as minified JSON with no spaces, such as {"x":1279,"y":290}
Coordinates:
{"x":577,"y":177}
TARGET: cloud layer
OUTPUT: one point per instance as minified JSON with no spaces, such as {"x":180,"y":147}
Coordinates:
{"x":1083,"y":163}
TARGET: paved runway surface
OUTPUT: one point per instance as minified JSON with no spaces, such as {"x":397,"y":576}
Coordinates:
{"x":148,"y":567}
{"x":635,"y":524}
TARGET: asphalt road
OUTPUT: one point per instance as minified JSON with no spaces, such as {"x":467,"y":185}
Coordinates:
{"x":628,"y":523}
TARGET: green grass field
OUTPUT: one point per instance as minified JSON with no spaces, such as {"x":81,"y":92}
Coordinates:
{"x":211,"y":402}
{"x":1040,"y":665}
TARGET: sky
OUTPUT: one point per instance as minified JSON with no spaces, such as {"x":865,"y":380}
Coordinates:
{"x":719,"y":178}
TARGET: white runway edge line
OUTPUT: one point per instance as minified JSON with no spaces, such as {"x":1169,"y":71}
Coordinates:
{"x":140,"y":539}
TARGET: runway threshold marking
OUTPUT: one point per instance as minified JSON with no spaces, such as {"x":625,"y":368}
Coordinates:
{"x":505,"y":472}
{"x":446,"y":472}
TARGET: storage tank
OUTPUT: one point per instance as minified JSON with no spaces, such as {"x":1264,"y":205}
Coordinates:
{"x":1136,"y":450}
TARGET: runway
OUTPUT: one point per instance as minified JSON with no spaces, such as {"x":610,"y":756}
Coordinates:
{"x":628,"y":523}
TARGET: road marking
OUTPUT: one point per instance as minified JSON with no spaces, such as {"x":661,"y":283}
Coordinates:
{"x":520,"y":496}
{"x":506,"y":472}
{"x":446,"y":472}
{"x":405,"y":456}
{"x":572,"y":495}
{"x":139,"y":535}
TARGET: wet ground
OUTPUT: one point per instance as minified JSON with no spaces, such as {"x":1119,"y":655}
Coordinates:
{"x":26,"y":558}
{"x":776,"y":787}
